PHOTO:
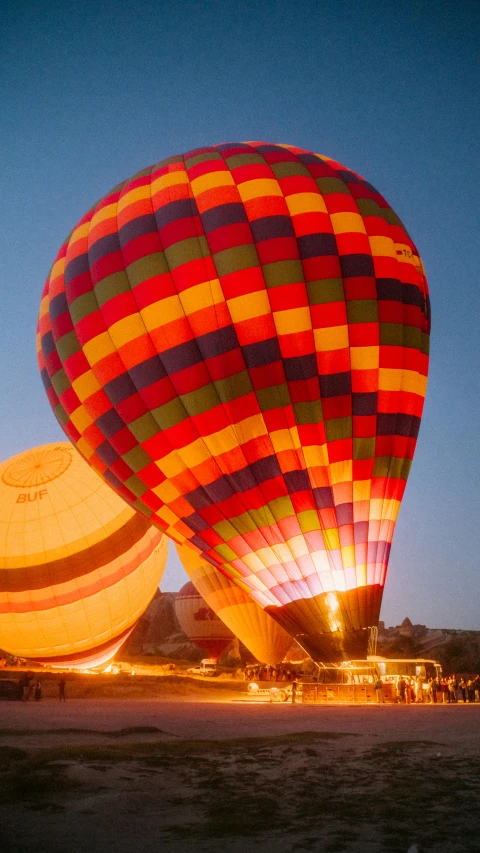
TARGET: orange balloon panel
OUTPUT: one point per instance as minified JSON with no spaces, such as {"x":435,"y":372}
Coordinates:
{"x":262,"y":636}
{"x":78,"y":566}
{"x":200,"y":623}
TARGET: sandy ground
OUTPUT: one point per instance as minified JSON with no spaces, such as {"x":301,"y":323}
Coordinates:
{"x":235,"y":717}
{"x":230,"y":775}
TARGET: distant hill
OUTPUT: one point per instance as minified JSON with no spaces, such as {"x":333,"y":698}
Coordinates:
{"x":159,"y":633}
{"x":458,"y":651}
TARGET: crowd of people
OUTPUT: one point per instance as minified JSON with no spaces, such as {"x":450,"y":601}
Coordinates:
{"x":30,"y":688}
{"x":438,"y":690}
{"x":268,"y":673}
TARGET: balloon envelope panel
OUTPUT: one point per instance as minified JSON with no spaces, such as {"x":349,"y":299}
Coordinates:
{"x":237,"y":340}
{"x":261,"y":634}
{"x":78,"y":566}
{"x":200,"y":623}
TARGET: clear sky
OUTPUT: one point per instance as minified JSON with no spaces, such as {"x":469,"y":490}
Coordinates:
{"x":92,"y":92}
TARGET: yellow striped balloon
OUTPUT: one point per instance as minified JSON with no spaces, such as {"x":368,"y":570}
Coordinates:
{"x":261,"y":634}
{"x":78,"y":566}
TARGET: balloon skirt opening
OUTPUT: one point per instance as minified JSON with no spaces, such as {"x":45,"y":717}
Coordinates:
{"x":340,"y":623}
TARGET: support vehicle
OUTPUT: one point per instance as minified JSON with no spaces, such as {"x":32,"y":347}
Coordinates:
{"x":206,"y":667}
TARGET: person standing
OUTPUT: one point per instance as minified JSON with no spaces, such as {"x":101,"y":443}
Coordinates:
{"x":294,"y":691}
{"x":444,"y":687}
{"x":471,"y":690}
{"x":430,"y":692}
{"x":379,"y":690}
{"x":61,"y":690}
{"x":419,"y":689}
{"x":408,"y":691}
{"x":452,"y":689}
{"x":38,"y":690}
{"x":476,"y":683}
{"x":25,"y":682}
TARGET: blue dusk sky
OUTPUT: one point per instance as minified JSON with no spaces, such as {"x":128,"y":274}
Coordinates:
{"x":93,"y":92}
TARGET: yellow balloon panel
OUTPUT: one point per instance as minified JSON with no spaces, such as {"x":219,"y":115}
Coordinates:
{"x":77,"y":566}
{"x":262,"y":636}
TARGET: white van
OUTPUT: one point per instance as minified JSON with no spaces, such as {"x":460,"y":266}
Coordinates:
{"x":206,"y":667}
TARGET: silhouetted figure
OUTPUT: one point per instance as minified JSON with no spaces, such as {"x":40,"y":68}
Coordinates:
{"x":25,"y":688}
{"x":294,"y":691}
{"x":61,"y":689}
{"x":38,"y":691}
{"x":471,"y":690}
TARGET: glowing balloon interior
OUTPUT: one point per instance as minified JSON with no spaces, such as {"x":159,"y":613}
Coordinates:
{"x":78,"y":566}
{"x":236,"y":339}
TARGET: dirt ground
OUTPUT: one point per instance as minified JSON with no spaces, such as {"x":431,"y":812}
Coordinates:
{"x":214,"y":772}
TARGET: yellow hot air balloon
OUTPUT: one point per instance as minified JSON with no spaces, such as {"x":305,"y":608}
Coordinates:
{"x":262,"y":636}
{"x":78,"y":566}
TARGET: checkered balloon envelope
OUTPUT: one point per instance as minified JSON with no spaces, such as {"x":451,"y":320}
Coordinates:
{"x":236,"y":339}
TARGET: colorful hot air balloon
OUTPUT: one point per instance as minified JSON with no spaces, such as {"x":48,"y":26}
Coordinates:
{"x":237,"y":340}
{"x":200,"y":623}
{"x":78,"y":566}
{"x":262,"y":635}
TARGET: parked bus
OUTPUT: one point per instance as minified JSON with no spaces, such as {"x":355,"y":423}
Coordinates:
{"x":391,"y":670}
